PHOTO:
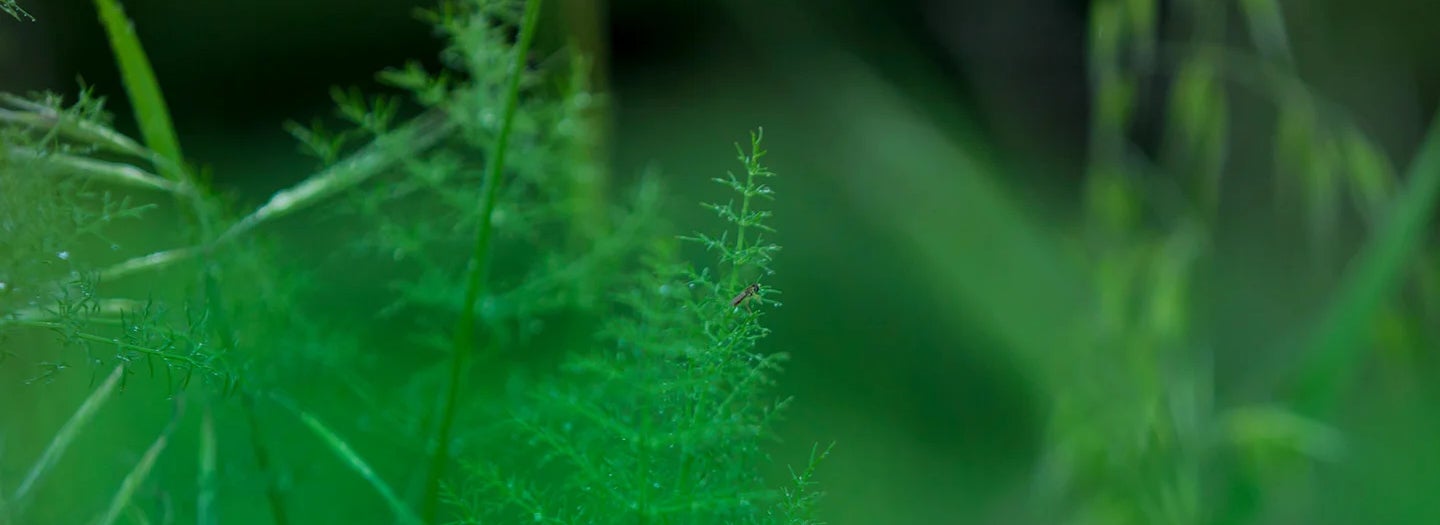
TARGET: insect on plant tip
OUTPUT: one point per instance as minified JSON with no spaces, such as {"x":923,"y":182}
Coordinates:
{"x":745,"y":294}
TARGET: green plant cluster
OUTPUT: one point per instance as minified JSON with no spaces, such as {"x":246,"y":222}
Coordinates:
{"x":563,"y":362}
{"x":1141,"y":429}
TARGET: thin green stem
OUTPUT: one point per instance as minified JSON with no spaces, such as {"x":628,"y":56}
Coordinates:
{"x":464,"y":333}
{"x":190,"y":361}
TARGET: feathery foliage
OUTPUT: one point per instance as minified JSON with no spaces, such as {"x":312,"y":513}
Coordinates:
{"x":478,"y":200}
{"x":677,"y":394}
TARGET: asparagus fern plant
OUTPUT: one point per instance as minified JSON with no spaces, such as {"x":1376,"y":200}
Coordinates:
{"x":479,"y":205}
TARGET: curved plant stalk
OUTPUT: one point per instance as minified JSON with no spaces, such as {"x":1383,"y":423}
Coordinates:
{"x":464,"y":334}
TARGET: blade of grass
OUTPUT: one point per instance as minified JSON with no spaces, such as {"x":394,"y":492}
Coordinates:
{"x":205,"y":500}
{"x":62,"y":440}
{"x":464,"y":332}
{"x":1337,"y":338}
{"x":353,"y":460}
{"x":150,"y":111}
{"x":137,"y":475}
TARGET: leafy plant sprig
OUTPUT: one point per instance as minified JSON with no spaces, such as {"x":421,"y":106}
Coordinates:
{"x":683,"y":447}
{"x":666,"y":421}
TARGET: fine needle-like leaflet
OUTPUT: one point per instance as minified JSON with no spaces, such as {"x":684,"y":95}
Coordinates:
{"x":745,"y":294}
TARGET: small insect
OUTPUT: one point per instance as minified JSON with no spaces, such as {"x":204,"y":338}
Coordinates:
{"x":745,"y":294}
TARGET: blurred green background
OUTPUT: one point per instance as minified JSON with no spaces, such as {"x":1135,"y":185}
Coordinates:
{"x":880,"y":115}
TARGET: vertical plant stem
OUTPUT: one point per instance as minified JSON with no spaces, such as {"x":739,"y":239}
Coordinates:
{"x":464,"y":333}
